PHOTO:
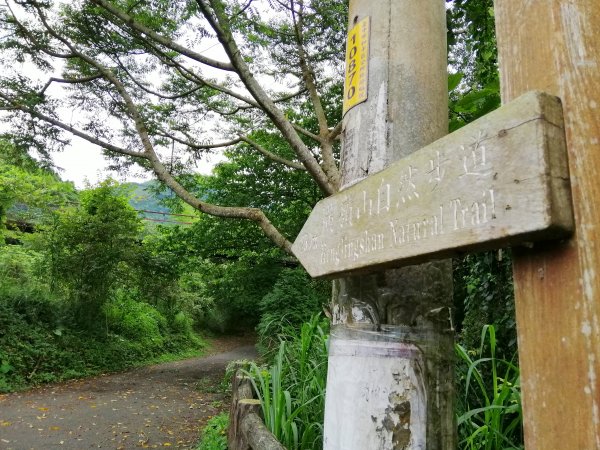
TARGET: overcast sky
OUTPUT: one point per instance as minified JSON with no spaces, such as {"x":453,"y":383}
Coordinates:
{"x":84,"y":163}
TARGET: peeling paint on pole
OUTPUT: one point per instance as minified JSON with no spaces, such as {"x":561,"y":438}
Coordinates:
{"x":379,"y":379}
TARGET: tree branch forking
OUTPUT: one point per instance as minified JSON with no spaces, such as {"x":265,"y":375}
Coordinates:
{"x":69,"y":128}
{"x":126,"y":91}
{"x":69,"y":81}
{"x":219,"y":24}
{"x":273,"y":156}
{"x":163,"y":40}
{"x":253,"y":214}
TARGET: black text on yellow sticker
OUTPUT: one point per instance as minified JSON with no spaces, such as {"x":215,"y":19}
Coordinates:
{"x":357,"y":65}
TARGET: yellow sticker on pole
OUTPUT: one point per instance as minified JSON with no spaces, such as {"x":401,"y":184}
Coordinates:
{"x":357,"y":65}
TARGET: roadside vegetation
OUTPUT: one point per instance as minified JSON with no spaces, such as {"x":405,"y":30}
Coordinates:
{"x":84,"y":292}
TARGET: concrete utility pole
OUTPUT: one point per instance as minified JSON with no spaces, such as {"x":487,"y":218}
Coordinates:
{"x":554,"y":46}
{"x":391,"y":387}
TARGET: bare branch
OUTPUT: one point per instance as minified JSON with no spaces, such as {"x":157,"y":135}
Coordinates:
{"x":219,"y":23}
{"x":335,"y":131}
{"x":307,"y":133}
{"x":195,"y":146}
{"x":257,"y":146}
{"x":163,"y":40}
{"x":69,"y":81}
{"x":273,"y":156}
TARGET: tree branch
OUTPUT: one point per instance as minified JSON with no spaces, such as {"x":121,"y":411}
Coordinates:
{"x":253,"y":214}
{"x":163,"y":40}
{"x":151,"y":91}
{"x":69,"y":81}
{"x":74,"y":131}
{"x":273,"y":156}
{"x":254,"y":144}
{"x":307,"y":133}
{"x":34,"y":41}
{"x":308,"y":75}
{"x":199,"y":146}
{"x":335,"y":131}
{"x":220,"y":25}
{"x":183,"y":71}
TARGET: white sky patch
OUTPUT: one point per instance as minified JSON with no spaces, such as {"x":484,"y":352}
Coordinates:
{"x":84,"y":164}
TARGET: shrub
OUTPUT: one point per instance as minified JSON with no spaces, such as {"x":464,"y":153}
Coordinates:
{"x":295,"y":297}
{"x":292,"y":389}
{"x":88,"y":249}
{"x":136,"y":321}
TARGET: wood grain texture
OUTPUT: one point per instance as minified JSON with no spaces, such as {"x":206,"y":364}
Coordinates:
{"x":498,"y":181}
{"x":256,"y":433}
{"x":554,"y":45}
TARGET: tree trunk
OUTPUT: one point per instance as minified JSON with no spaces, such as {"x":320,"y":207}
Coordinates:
{"x":553,"y":45}
{"x":390,"y":381}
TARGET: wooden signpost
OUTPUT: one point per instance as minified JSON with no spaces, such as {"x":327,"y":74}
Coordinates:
{"x":501,"y":180}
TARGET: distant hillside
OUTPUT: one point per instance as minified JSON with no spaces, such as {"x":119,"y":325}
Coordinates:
{"x":144,"y":197}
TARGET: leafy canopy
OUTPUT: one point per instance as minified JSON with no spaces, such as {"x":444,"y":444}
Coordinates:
{"x":135,"y":78}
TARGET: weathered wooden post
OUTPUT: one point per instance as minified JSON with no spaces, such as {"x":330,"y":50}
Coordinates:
{"x":554,"y":45}
{"x":403,"y":73}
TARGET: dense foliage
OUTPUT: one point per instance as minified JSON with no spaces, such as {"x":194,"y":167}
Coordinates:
{"x":91,"y":249}
{"x":75,"y":299}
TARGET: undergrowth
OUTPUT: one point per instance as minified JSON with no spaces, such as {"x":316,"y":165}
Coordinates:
{"x":292,"y":388}
{"x":36,"y":347}
{"x":489,"y":401}
{"x":214,"y":434}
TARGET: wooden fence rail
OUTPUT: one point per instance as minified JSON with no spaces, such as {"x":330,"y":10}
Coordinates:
{"x":247,"y":430}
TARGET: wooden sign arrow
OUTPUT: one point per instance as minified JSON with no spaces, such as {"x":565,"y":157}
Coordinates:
{"x":501,"y":180}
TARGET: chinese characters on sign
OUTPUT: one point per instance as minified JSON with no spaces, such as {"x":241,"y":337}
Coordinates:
{"x":498,"y":181}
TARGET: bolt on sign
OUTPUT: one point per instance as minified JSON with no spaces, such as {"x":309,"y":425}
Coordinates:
{"x":501,"y":180}
{"x":357,"y":65}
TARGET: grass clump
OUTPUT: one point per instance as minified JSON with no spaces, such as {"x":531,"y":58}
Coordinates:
{"x":490,"y":415}
{"x":292,"y":388}
{"x":214,"y":434}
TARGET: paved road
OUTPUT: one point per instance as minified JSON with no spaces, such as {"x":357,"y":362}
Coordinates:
{"x":152,"y":407}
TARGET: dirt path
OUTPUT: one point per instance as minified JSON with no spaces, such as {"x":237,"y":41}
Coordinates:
{"x":151,"y":407}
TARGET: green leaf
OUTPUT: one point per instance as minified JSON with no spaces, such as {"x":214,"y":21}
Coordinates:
{"x":454,"y":80}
